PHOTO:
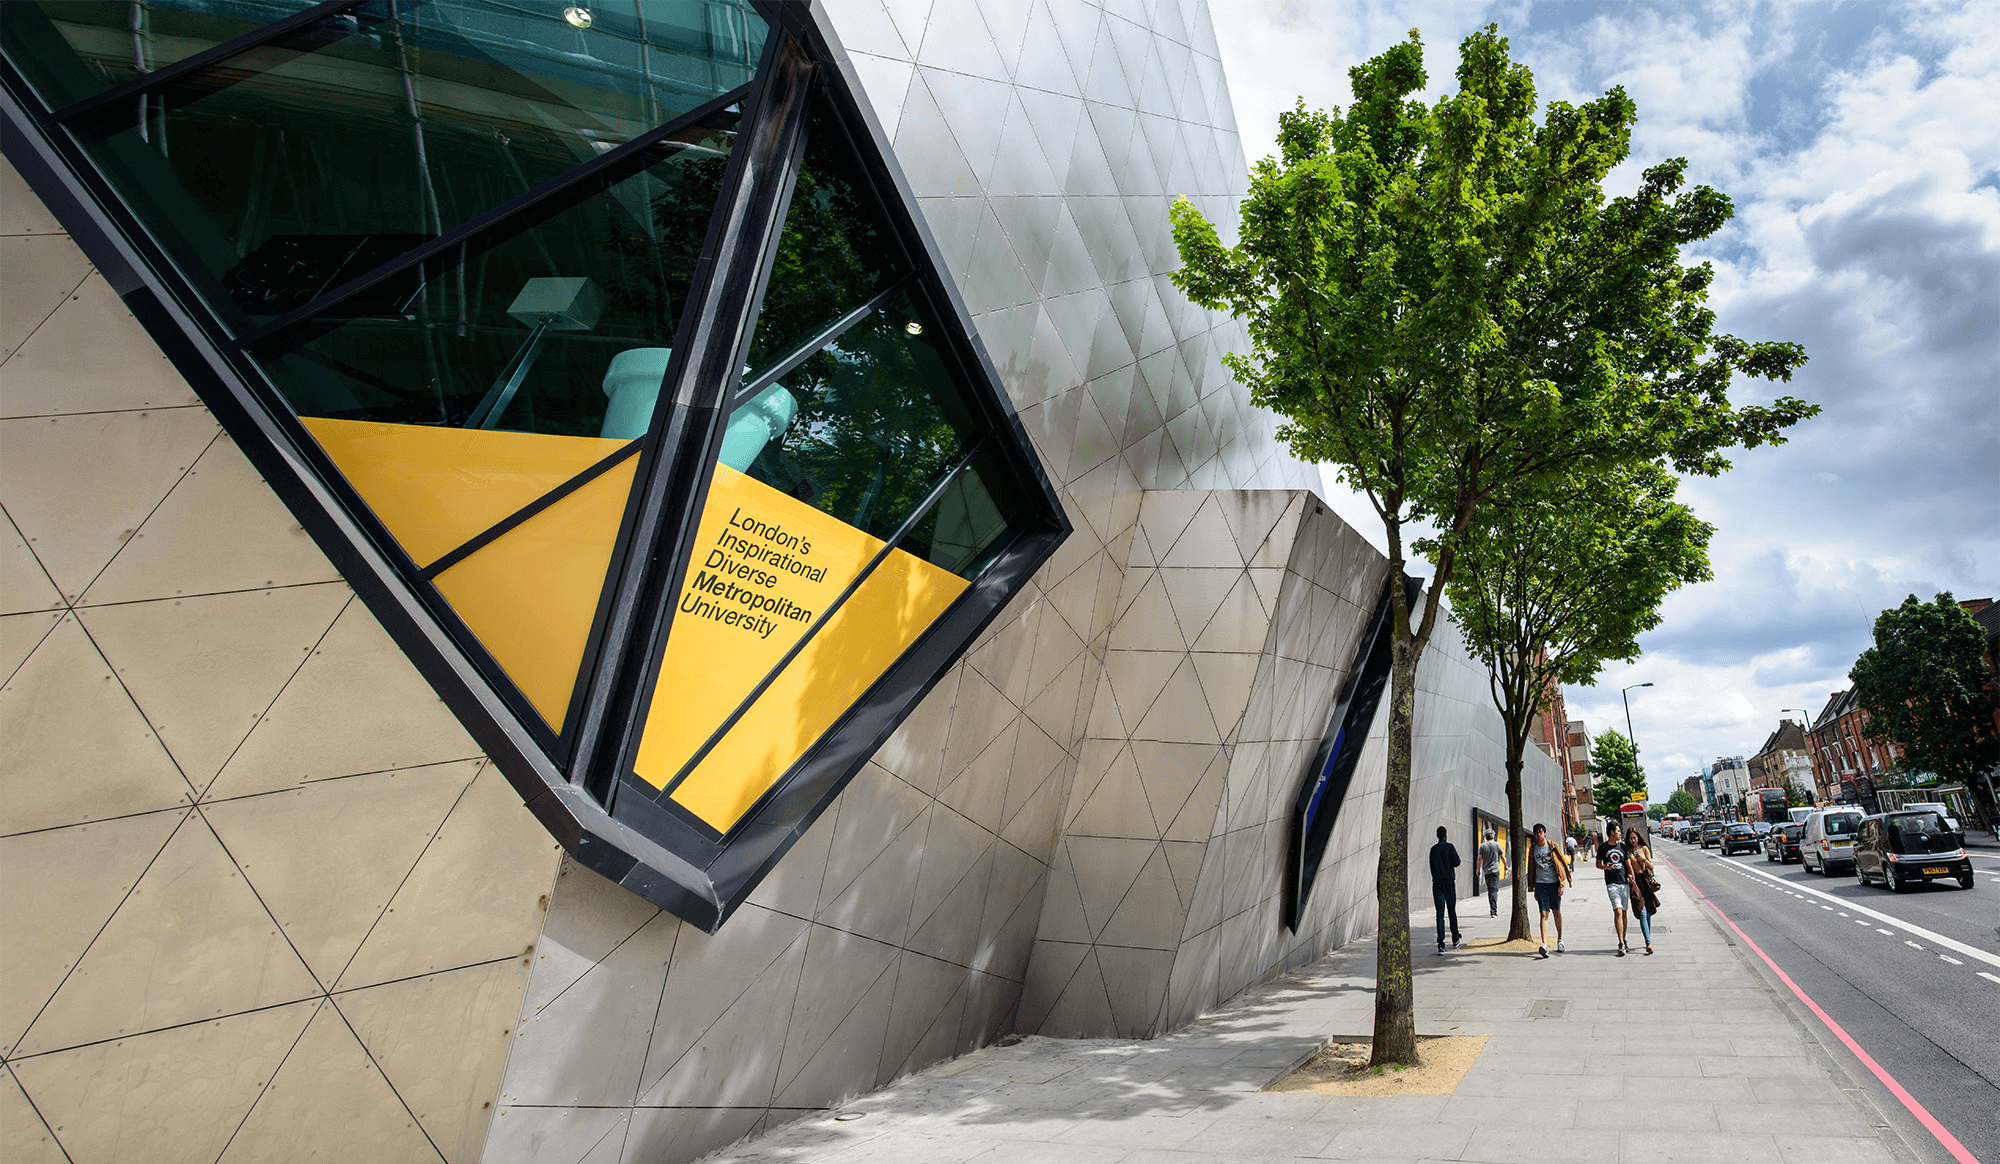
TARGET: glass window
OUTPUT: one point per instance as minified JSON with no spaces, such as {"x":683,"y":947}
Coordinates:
{"x":562,"y":326}
{"x":864,"y":428}
{"x":836,"y":253}
{"x":302,"y":163}
{"x":71,"y":50}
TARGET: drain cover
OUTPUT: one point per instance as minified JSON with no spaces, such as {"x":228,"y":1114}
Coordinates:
{"x":1549,"y":1008}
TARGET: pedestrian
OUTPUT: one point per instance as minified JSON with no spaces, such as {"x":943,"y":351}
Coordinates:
{"x":1645,"y":887}
{"x":1569,"y":848}
{"x":1444,"y":887}
{"x":1611,"y":855}
{"x":1550,"y":874}
{"x":1492,"y":866}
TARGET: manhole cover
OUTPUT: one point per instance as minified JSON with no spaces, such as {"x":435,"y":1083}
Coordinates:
{"x":1549,"y":1008}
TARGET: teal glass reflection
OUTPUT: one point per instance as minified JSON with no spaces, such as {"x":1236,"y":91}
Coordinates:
{"x":299,"y":165}
{"x":563,"y":324}
{"x":972,"y":522}
{"x":875,"y":422}
{"x":70,"y":50}
{"x":836,"y":253}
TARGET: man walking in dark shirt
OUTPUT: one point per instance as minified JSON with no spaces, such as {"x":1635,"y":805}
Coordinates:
{"x":1611,"y":854}
{"x":1444,"y":887}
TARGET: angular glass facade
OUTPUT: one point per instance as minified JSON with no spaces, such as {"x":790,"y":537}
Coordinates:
{"x":603,"y":350}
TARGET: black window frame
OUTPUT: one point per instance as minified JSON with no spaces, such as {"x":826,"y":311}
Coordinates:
{"x":576,"y":780}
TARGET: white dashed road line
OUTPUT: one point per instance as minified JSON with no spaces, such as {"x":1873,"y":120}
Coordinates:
{"x":1936,"y":939}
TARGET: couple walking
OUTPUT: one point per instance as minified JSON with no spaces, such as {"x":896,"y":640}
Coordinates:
{"x":1628,"y":881}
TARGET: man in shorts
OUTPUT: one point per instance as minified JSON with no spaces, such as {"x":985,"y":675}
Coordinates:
{"x":1549,"y":873}
{"x":1611,"y":854}
{"x":1492,"y":866}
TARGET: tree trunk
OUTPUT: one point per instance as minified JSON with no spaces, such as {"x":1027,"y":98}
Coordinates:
{"x":1395,"y":1019}
{"x":1517,"y":841}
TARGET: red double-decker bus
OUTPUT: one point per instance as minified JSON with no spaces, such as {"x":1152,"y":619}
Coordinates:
{"x":1771,"y":805}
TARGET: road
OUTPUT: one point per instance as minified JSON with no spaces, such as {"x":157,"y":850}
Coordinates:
{"x":1914,"y":978}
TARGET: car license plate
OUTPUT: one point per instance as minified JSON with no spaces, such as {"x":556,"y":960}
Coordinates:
{"x":1932,"y":870}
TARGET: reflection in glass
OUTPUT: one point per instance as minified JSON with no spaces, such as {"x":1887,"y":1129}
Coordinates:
{"x":302,"y":163}
{"x":971,"y":523}
{"x":560,"y":326}
{"x":74,"y":49}
{"x":877,"y":422}
{"x":837,"y":251}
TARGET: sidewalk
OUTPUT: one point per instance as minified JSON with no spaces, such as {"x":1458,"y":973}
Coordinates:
{"x":1681,"y":1056}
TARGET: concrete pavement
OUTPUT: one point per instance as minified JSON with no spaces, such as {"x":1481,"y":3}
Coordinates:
{"x":1685,"y":1055}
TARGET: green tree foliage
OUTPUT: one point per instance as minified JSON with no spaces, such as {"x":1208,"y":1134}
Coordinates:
{"x":1925,"y":685}
{"x":1657,"y":811}
{"x":1682,"y":803}
{"x":1615,"y":774}
{"x":1551,"y":585}
{"x":1443,"y":302}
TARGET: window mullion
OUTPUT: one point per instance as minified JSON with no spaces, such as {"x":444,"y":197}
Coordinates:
{"x":473,"y":228}
{"x":138,"y":87}
{"x":687,"y":431}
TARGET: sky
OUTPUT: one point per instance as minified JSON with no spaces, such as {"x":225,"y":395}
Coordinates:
{"x":1860,"y":143}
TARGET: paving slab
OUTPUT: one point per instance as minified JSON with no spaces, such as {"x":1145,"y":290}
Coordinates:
{"x":1681,"y":1056}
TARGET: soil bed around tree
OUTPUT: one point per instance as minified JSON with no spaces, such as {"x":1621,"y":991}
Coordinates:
{"x":1341,"y":1068}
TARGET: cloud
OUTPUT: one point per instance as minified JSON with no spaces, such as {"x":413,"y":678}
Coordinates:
{"x":1861,"y":146}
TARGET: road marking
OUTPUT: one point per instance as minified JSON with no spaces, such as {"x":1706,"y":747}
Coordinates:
{"x":1988,"y":977}
{"x":1944,"y":1137}
{"x":1950,"y":959}
{"x":1935,"y":939}
{"x":1829,"y":909}
{"x":1907,"y":942}
{"x":1880,"y":930}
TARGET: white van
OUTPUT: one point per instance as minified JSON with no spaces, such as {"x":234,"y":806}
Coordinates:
{"x":1828,"y":843}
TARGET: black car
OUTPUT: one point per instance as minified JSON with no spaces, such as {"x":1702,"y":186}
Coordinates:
{"x":1711,"y":832}
{"x":1781,"y":844}
{"x":1738,"y":836}
{"x":1903,"y":848}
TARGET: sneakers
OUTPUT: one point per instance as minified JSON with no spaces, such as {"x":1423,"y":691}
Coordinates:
{"x":1560,"y":948}
{"x":1440,"y":949}
{"x":1649,"y":950}
{"x":1458,"y":943}
{"x":1542,"y":950}
{"x":1621,"y":949}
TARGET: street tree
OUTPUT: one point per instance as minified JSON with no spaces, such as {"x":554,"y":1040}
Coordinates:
{"x":1615,"y":774}
{"x":1682,"y":803}
{"x":1926,"y":686}
{"x":1444,"y":304}
{"x":1550,"y":586}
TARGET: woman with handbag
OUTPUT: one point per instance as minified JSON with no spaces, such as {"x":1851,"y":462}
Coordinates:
{"x":1645,"y":887}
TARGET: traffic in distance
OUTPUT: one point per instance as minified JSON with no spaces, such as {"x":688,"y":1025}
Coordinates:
{"x":1885,"y":922}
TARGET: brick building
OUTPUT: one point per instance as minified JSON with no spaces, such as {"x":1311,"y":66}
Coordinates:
{"x":1783,"y":759}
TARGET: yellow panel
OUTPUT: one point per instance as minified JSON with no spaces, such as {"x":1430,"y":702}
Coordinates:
{"x":766,"y":566}
{"x":437,"y":487}
{"x":530,"y":596}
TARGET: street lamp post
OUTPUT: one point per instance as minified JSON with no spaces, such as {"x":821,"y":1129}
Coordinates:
{"x":1629,"y":738}
{"x":1805,"y":726}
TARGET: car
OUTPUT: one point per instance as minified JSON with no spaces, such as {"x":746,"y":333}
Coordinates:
{"x":1781,"y":844}
{"x":1711,"y":832}
{"x":1905,"y":848}
{"x":1737,"y":836}
{"x":1829,"y":840}
{"x":1762,"y":827}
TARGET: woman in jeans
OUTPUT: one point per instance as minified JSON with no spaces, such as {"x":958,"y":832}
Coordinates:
{"x":1639,"y":874}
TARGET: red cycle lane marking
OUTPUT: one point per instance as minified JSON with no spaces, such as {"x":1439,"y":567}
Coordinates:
{"x":1896,"y":1089}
